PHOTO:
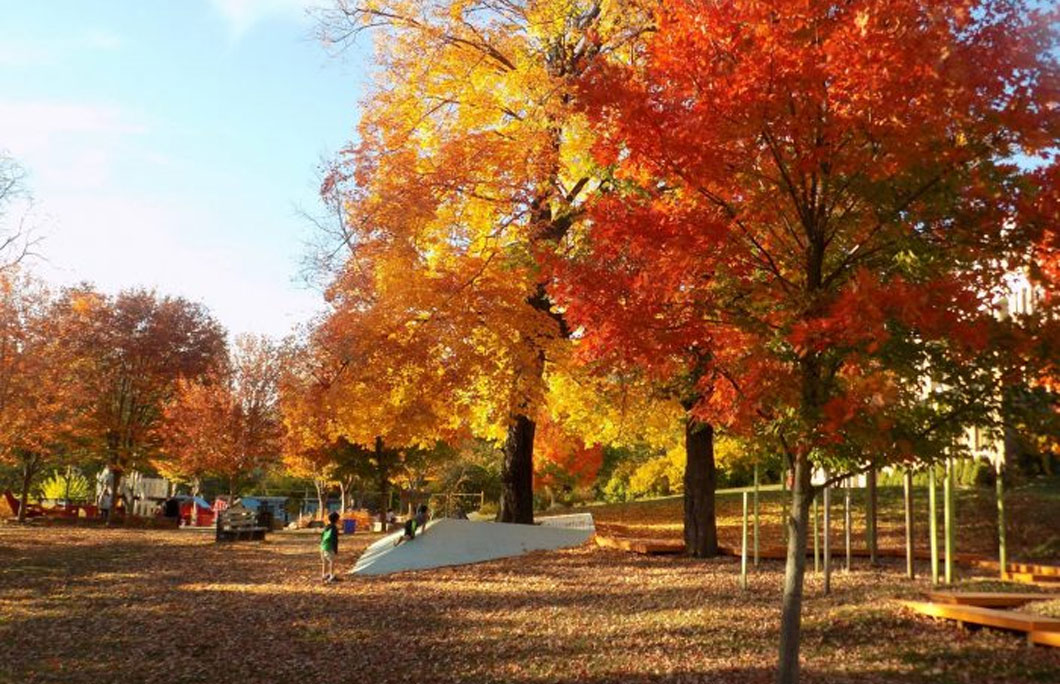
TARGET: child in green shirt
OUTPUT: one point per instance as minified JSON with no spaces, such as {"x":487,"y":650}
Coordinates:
{"x":329,"y":548}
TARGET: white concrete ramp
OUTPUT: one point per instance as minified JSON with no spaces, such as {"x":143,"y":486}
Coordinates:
{"x":459,"y":542}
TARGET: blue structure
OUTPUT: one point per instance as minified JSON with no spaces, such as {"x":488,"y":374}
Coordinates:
{"x":277,"y":505}
{"x":309,"y":507}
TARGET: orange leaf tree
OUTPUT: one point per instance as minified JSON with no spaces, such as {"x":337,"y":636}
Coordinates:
{"x":816,"y":199}
{"x":470,"y":165}
{"x":227,"y":424}
{"x":139,"y":346}
{"x":42,"y":403}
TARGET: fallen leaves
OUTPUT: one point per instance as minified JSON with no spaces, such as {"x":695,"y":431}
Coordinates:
{"x":82,"y":604}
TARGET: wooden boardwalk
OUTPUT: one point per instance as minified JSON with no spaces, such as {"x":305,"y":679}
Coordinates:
{"x":986,"y":599}
{"x":1032,"y":625}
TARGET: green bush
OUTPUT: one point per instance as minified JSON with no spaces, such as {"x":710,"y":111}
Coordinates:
{"x":967,"y":472}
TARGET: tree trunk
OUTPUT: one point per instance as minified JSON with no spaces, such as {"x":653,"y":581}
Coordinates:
{"x":517,"y":473}
{"x":1002,"y":551}
{"x":321,"y":503}
{"x":115,"y":485}
{"x":384,"y":502}
{"x":870,"y":514}
{"x":795,"y":569}
{"x":701,"y":529}
{"x":29,"y":468}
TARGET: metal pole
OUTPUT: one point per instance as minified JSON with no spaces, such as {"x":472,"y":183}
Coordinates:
{"x":846,"y":521}
{"x":816,"y":535}
{"x":907,"y":481}
{"x":827,"y":540}
{"x":933,"y":525}
{"x":756,"y":515}
{"x":947,"y":504}
{"x":743,"y":546}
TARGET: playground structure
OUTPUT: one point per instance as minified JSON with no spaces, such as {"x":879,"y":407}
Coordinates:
{"x":447,"y":542}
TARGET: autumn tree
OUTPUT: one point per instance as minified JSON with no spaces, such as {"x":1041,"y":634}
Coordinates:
{"x":42,"y":403}
{"x":226,"y":424}
{"x":817,"y":198}
{"x":564,"y":461}
{"x":471,"y":165}
{"x":365,"y":384}
{"x":140,"y":346}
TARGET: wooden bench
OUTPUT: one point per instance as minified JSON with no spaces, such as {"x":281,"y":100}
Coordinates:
{"x":987,"y":617}
{"x":239,"y":523}
{"x":986,"y":599}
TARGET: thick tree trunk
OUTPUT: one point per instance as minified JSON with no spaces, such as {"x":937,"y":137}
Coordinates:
{"x":517,"y":473}
{"x":701,"y":530}
{"x":115,"y":486}
{"x":791,"y":616}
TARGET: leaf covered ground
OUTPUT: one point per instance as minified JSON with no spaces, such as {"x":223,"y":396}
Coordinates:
{"x":91,"y":605}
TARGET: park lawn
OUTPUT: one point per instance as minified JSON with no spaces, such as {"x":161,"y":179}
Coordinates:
{"x":91,"y":605}
{"x":1032,"y":513}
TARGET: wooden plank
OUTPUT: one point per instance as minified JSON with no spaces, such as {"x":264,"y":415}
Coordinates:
{"x":1024,"y":568}
{"x":1044,"y":638}
{"x":648,"y":547}
{"x":1030,"y":577}
{"x":1034,"y":569}
{"x":986,"y":599}
{"x":988,"y":617}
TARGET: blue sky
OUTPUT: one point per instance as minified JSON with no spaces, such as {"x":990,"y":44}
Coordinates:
{"x":168,"y":144}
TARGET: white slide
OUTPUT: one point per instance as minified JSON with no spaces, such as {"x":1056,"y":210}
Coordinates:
{"x":459,"y":542}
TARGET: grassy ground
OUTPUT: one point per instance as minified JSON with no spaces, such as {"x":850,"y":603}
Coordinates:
{"x":91,"y":605}
{"x":1032,"y":512}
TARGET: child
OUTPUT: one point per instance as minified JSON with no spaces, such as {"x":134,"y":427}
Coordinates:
{"x":413,"y":525}
{"x":329,"y":547}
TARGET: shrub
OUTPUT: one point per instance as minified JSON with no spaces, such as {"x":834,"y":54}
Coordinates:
{"x":967,"y":472}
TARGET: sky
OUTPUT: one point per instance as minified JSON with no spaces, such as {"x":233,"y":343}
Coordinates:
{"x":170,"y":145}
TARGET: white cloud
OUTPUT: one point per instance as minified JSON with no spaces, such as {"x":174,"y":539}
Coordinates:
{"x":244,"y":14}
